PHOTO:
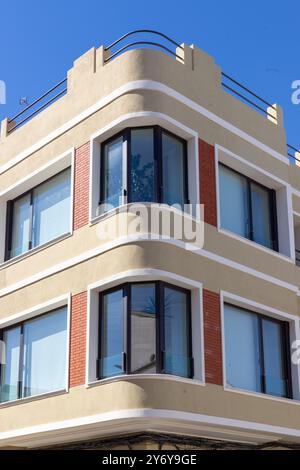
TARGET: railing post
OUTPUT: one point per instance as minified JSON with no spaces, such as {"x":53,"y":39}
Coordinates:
{"x":297,"y":157}
{"x":187,"y":55}
{"x":275,"y":114}
{"x":101,"y":56}
{"x":6,"y":125}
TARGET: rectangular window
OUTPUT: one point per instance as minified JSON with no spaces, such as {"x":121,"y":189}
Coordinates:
{"x":145,"y":328}
{"x":247,"y":208}
{"x":40,"y":215}
{"x":256,"y":352}
{"x":143,"y":164}
{"x":35,"y":356}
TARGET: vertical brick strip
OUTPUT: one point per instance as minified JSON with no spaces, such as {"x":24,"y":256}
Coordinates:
{"x":208,"y":195}
{"x":212,"y":337}
{"x":81,"y":186}
{"x":78,"y":339}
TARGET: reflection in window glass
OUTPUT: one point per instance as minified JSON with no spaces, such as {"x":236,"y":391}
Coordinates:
{"x":242,"y":349}
{"x":41,"y":215}
{"x":11,"y":369}
{"x":20,"y":226}
{"x":112,"y":343}
{"x":255,"y":349}
{"x":273,"y":358}
{"x":233,"y":202}
{"x":143,"y":329}
{"x":142,"y":188}
{"x":177,"y":360}
{"x":51,"y":208}
{"x":173,"y":162}
{"x":35,"y":357}
{"x":261,"y":216}
{"x":112,"y":172}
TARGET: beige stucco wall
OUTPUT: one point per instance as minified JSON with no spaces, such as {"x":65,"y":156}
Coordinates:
{"x":88,"y":82}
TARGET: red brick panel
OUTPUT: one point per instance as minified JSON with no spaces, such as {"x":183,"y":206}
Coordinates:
{"x":212,"y":337}
{"x":78,"y":339}
{"x":208,"y":195}
{"x":81,"y":186}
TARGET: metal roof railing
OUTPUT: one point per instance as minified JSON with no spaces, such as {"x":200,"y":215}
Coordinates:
{"x":239,"y":90}
{"x":156,"y":34}
{"x":37,"y":105}
{"x":164,"y":43}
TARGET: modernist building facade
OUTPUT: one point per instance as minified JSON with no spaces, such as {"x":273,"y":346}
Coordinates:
{"x":129,"y":340}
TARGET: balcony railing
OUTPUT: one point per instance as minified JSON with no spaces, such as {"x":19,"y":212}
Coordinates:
{"x":293,"y":156}
{"x":37,"y":106}
{"x":165,"y":46}
{"x":245,"y":94}
{"x":162,"y":42}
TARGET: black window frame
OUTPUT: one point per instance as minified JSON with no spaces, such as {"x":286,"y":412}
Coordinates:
{"x":285,"y":348}
{"x":158,"y":132}
{"x":10,"y":216}
{"x":20,"y":325}
{"x":160,"y":333}
{"x":272,"y":209}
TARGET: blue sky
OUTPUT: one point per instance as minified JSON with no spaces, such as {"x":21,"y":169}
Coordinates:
{"x":256,"y":42}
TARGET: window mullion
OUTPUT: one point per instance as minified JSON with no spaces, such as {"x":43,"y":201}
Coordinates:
{"x":285,"y":341}
{"x":127,"y":329}
{"x":261,"y":355}
{"x":274,"y":225}
{"x":31,"y":227}
{"x":160,"y":328}
{"x":22,"y":366}
{"x":250,"y":215}
{"x":126,"y":162}
{"x":159,"y":165}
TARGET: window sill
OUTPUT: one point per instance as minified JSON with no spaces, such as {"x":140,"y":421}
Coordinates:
{"x":118,"y":378}
{"x":228,"y":388}
{"x":21,"y":401}
{"x":33,"y":251}
{"x":256,"y":245}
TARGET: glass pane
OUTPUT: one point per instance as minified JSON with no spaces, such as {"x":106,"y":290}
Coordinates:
{"x":177,"y":340}
{"x":233,"y":202}
{"x":112,"y":173}
{"x":20,"y":226}
{"x":45,"y":342}
{"x":143,"y":329}
{"x":51,"y":208}
{"x":142,"y":187}
{"x":273,"y":357}
{"x":261,"y":215}
{"x":10,"y":370}
{"x":173,"y":162}
{"x":243,"y":366}
{"x":112,"y":337}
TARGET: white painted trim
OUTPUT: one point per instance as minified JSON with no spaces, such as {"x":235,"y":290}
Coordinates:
{"x":272,"y":312}
{"x":297,"y":214}
{"x":134,"y":120}
{"x":124,"y":377}
{"x":72,"y":190}
{"x":49,"y":164}
{"x":117,"y":422}
{"x":251,"y":165}
{"x":252,"y":243}
{"x":134,"y":86}
{"x":32,"y":312}
{"x":149,"y":274}
{"x":142,"y":238}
